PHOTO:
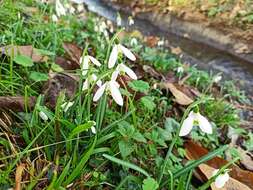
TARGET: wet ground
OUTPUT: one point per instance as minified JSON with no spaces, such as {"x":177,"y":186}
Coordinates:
{"x":201,"y":55}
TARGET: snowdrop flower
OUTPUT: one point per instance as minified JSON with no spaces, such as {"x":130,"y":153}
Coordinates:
{"x":54,"y":18}
{"x":67,"y":105}
{"x":72,"y":10}
{"x":80,"y":7}
{"x":133,"y":42}
{"x":180,"y":70}
{"x":114,"y":54}
{"x":113,"y":88}
{"x":195,"y":119}
{"x":85,"y":61}
{"x":217,"y":78}
{"x":130,"y":21}
{"x":160,"y":43}
{"x":43,"y":116}
{"x":122,"y":68}
{"x":59,"y":8}
{"x":93,"y":130}
{"x":89,"y":80}
{"x":221,"y":179}
{"x":118,"y":20}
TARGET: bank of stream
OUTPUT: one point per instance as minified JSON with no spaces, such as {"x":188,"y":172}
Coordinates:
{"x":195,"y":53}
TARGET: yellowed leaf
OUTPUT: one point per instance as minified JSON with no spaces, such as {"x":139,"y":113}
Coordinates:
{"x":181,"y":98}
{"x":18,"y":176}
{"x":232,"y":184}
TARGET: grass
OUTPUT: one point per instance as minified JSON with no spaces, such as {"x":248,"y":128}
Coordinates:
{"x":131,"y":142}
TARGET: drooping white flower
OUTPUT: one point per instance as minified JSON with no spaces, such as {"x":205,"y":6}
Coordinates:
{"x":72,"y":10}
{"x":118,"y":48}
{"x":85,"y":61}
{"x":130,"y":21}
{"x":43,"y":116}
{"x":217,"y":78}
{"x":92,"y":78}
{"x":59,"y":8}
{"x":180,"y":69}
{"x":54,"y":18}
{"x":195,"y":119}
{"x":122,"y":68}
{"x":67,"y":105}
{"x":118,"y":20}
{"x":160,"y":43}
{"x":113,"y":88}
{"x":221,"y":179}
{"x":133,"y":42}
{"x":80,"y":7}
{"x":93,"y":130}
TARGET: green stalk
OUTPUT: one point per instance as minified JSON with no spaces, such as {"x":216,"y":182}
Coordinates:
{"x":186,"y":113}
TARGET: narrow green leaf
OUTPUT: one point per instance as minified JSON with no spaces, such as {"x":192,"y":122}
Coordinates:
{"x":126,"y":164}
{"x":38,"y":76}
{"x":63,"y":175}
{"x":205,"y":158}
{"x":79,"y":168}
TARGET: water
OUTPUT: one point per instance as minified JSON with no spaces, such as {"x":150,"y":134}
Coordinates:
{"x":201,"y":55}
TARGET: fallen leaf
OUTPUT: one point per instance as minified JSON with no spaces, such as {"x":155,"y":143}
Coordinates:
{"x":73,"y":51}
{"x":176,"y":50}
{"x":231,"y":184}
{"x":181,"y":98}
{"x":151,"y":41}
{"x":28,"y":51}
{"x":195,"y":151}
{"x":152,"y":72}
{"x":18,"y":176}
{"x":16,"y":103}
{"x":57,"y":83}
{"x":67,"y":64}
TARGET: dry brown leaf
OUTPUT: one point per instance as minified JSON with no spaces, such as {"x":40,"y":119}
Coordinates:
{"x":16,"y":103}
{"x":29,"y":51}
{"x":181,"y":98}
{"x":18,"y":176}
{"x":176,"y":50}
{"x":73,"y":51}
{"x":195,"y":151}
{"x":246,"y":158}
{"x":151,"y":41}
{"x":232,"y":184}
{"x":66,"y":64}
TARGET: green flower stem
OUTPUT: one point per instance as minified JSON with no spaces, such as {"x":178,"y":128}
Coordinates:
{"x":186,"y":113}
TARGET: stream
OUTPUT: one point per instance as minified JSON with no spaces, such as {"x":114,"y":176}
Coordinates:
{"x":201,"y":55}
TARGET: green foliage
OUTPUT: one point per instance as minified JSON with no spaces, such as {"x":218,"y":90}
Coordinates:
{"x":150,"y":184}
{"x":139,"y":86}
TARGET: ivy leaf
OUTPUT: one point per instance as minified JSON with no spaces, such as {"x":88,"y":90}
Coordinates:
{"x":23,"y":60}
{"x":139,"y":86}
{"x":149,"y":184}
{"x":37,"y":76}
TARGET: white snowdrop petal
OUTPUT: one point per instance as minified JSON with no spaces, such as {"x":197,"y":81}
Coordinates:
{"x":54,"y":18}
{"x":113,"y":57}
{"x":186,"y":126}
{"x":99,"y":83}
{"x":129,"y":72}
{"x":67,"y":105}
{"x":204,"y":124}
{"x":77,"y":1}
{"x":85,"y":85}
{"x":94,"y":61}
{"x":115,"y":75}
{"x":127,"y":52}
{"x":116,"y":95}
{"x":93,"y":130}
{"x":85,"y":65}
{"x":221,"y":180}
{"x":43,"y":116}
{"x":99,"y":92}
